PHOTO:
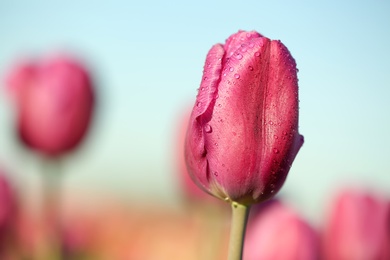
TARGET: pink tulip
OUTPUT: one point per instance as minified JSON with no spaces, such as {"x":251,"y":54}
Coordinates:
{"x":276,"y":232}
{"x":54,"y":102}
{"x":358,"y":228}
{"x":243,"y":132}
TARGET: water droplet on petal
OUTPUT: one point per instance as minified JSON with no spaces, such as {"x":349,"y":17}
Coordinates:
{"x":238,"y":56}
{"x":231,"y":69}
{"x":276,"y":150}
{"x":237,"y":76}
{"x":251,"y":45}
{"x":250,"y":68}
{"x":198,"y":104}
{"x":257,"y":54}
{"x":216,"y":174}
{"x":208,"y":128}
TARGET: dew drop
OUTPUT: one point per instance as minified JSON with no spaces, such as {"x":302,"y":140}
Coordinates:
{"x":199,"y":104}
{"x":216,"y":174}
{"x":237,"y":76}
{"x":238,"y":56}
{"x":257,"y":54}
{"x":251,"y":45}
{"x":276,"y":137}
{"x":231,"y":69}
{"x":271,"y":123}
{"x":205,"y":78}
{"x":276,"y":150}
{"x":250,"y":68}
{"x":216,"y":144}
{"x":208,"y":128}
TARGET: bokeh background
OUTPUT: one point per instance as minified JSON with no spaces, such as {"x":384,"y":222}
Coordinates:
{"x":147,"y":58}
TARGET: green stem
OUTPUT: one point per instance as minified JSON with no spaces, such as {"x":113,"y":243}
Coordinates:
{"x":237,"y":232}
{"x":52,"y":199}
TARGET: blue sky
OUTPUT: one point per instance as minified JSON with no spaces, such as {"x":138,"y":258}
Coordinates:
{"x":148,"y":58}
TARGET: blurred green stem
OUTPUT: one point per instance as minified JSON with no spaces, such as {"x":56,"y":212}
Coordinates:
{"x":237,"y":232}
{"x":51,"y":179}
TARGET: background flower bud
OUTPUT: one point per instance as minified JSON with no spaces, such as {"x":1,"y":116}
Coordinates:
{"x":243,"y":132}
{"x":54,"y":101}
{"x":358,"y":227}
{"x":276,"y":232}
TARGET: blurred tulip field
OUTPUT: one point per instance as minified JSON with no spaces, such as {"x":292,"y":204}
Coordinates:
{"x":95,"y":100}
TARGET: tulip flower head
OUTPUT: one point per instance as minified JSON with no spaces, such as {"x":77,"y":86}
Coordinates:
{"x":243,"y":135}
{"x":54,"y":102}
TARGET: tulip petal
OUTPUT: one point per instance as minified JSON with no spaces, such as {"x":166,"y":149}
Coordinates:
{"x":280,"y":116}
{"x":237,"y":138}
{"x":201,"y":115}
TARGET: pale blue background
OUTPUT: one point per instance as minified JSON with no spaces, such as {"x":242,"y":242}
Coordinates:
{"x":148,"y":58}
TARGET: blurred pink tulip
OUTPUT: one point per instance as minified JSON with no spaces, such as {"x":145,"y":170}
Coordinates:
{"x":276,"y":232}
{"x":358,"y":228}
{"x":54,"y":102}
{"x":243,"y":132}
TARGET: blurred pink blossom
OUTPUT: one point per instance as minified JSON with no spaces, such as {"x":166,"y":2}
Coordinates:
{"x":276,"y":232}
{"x":54,"y":101}
{"x":358,"y":227}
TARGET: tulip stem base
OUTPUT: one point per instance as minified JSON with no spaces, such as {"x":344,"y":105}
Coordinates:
{"x":237,"y":232}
